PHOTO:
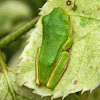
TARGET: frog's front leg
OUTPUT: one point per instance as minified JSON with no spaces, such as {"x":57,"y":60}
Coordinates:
{"x":68,"y":43}
{"x":60,"y":65}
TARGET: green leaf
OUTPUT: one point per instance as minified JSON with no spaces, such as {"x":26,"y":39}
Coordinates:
{"x":8,"y":87}
{"x":83,"y":71}
{"x":21,"y":93}
{"x":17,"y":33}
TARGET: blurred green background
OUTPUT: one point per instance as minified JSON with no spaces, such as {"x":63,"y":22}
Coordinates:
{"x":16,"y":12}
{"x":13,"y":14}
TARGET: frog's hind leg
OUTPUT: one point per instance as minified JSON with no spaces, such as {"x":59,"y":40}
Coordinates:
{"x":58,"y":70}
{"x":37,"y":70}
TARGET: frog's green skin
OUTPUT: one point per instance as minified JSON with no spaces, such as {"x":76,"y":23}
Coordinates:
{"x":52,"y":57}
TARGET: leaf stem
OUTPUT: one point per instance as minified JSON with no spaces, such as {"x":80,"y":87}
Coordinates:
{"x":4,"y":70}
{"x":16,"y":34}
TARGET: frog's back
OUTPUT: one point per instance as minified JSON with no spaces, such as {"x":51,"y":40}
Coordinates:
{"x":55,"y":33}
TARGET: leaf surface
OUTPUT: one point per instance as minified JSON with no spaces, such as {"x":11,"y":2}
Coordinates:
{"x":83,"y":71}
